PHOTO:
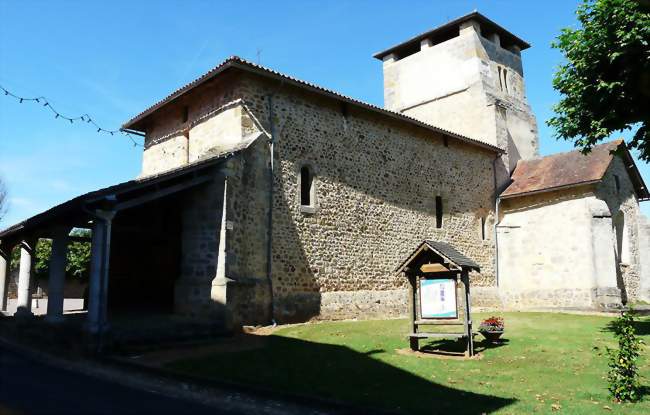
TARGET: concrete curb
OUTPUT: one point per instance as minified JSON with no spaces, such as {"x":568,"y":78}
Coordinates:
{"x":219,"y":394}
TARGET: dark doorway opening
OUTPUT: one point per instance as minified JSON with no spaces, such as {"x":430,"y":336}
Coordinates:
{"x":145,"y":258}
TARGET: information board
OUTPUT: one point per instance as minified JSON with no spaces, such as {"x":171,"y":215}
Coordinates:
{"x":438,"y":298}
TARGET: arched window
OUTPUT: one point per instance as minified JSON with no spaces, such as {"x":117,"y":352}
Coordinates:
{"x":307,"y":190}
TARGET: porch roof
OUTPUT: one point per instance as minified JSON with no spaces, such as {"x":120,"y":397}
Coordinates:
{"x":78,"y":211}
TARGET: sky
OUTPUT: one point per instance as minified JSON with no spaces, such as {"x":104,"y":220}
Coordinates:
{"x":114,"y":59}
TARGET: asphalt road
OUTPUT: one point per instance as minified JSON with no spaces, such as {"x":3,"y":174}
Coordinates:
{"x":27,"y":387}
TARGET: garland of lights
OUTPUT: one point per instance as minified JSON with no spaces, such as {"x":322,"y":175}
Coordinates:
{"x":83,"y":118}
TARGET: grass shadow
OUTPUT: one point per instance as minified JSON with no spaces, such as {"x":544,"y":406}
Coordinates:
{"x":338,"y":373}
{"x":641,"y":326}
{"x":448,"y":347}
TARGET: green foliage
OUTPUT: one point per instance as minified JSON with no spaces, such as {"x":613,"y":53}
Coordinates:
{"x":79,"y":256}
{"x":42,"y":260}
{"x":623,"y":370}
{"x":78,"y":262}
{"x":605,"y":81}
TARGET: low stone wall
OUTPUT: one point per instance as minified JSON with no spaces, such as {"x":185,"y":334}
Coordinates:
{"x":485,"y":297}
{"x":364,"y":304}
{"x":559,"y":298}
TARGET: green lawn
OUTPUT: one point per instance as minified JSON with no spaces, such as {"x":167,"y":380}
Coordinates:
{"x":550,"y":363}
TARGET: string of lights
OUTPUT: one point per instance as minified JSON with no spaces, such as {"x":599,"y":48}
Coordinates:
{"x":85,"y":118}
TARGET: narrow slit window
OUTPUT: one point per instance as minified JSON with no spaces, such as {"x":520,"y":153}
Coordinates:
{"x":617,"y":184}
{"x":500,"y":81}
{"x":306,"y":186}
{"x":483,"y":233}
{"x":438,"y":212}
{"x":186,"y":113}
{"x":505,"y":80}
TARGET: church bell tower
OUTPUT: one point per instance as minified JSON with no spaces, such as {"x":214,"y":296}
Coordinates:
{"x":465,"y":76}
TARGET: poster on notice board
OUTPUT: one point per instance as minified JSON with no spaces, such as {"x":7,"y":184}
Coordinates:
{"x":438,"y":298}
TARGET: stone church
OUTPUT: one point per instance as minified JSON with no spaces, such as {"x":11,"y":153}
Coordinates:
{"x":267,"y":198}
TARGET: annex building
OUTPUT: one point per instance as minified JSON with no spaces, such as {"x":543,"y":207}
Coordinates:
{"x":263,"y":197}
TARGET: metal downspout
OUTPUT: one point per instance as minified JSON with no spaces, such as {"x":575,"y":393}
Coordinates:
{"x":269,"y":245}
{"x":497,"y":201}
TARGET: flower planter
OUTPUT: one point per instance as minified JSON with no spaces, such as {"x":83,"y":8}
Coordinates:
{"x":492,"y":336}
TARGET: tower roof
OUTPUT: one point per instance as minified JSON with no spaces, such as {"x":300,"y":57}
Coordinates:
{"x":448,"y":29}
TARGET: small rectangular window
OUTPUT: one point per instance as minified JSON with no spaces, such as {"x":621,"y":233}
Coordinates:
{"x":306,"y":184}
{"x":438,"y":212}
{"x":617,"y":184}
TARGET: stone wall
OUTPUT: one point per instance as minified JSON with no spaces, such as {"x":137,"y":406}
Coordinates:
{"x":624,"y":208}
{"x":204,"y":122}
{"x":200,"y":221}
{"x":376,"y":182}
{"x":467,"y":77}
{"x":546,"y":250}
{"x":248,"y":233}
{"x":210,"y":121}
{"x":644,"y":257}
{"x":442,"y":85}
{"x":561,"y":249}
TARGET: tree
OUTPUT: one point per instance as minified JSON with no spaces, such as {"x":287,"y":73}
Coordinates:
{"x":78,"y":258}
{"x":605,"y":80}
{"x":623,"y":375}
{"x":78,"y":264}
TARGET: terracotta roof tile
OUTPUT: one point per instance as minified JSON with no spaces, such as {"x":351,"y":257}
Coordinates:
{"x":561,"y":170}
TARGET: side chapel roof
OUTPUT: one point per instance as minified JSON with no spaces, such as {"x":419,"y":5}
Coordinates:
{"x":570,"y":169}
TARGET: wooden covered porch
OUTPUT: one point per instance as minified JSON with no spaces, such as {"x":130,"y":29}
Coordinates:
{"x":135,"y":246}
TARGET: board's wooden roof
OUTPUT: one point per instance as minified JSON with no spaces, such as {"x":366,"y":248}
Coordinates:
{"x":444,"y":250}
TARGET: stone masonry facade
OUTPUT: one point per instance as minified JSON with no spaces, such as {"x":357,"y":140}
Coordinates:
{"x":252,"y":252}
{"x":570,"y":245}
{"x":624,"y":209}
{"x":375,"y":185}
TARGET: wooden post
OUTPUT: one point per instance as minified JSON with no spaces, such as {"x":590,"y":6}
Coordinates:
{"x":468,"y":319}
{"x":413,"y":341}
